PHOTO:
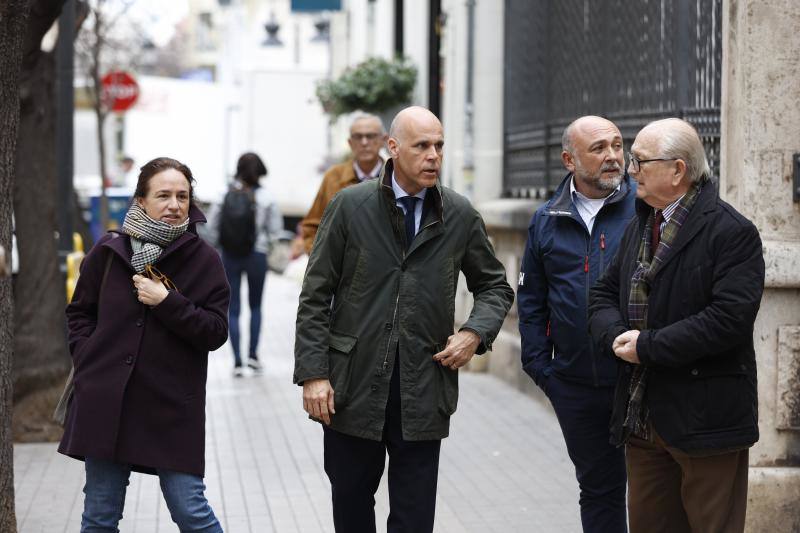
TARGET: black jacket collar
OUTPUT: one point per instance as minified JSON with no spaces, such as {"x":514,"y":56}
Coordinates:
{"x":698,"y":217}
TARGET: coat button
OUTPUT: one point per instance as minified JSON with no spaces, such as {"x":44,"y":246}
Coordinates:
{"x":695,"y":372}
{"x":129,"y":360}
{"x":744,"y":367}
{"x":139,"y":322}
{"x":374,"y":388}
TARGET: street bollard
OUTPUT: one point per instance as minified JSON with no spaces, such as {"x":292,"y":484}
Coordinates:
{"x":74,"y":259}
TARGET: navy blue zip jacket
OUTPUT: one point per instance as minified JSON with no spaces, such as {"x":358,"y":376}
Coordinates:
{"x":561,"y":263}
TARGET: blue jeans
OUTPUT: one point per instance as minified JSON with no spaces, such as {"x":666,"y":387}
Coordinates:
{"x":107,"y":481}
{"x":255,"y":266}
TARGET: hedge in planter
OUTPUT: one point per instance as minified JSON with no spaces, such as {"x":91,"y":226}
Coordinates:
{"x":374,"y":86}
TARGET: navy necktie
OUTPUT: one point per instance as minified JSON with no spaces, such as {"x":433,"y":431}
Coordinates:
{"x":409,"y":204}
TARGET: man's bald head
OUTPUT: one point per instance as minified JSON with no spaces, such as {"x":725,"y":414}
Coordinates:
{"x":415,"y":143}
{"x":580,"y":126}
{"x":592,"y":152}
{"x":414,"y":114}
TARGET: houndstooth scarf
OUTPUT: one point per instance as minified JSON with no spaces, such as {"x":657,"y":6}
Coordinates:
{"x":637,"y":413}
{"x":149,"y":237}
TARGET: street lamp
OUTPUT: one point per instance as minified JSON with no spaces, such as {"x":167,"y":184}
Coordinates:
{"x":272,"y":27}
{"x":323,"y":27}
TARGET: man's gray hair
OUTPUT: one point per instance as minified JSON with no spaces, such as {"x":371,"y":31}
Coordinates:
{"x":679,"y":140}
{"x":566,"y":137}
{"x":368,"y":116}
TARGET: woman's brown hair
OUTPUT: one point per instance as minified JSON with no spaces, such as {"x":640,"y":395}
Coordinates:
{"x":159,"y":164}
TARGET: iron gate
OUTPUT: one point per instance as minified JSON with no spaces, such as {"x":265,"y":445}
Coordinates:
{"x":631,"y":62}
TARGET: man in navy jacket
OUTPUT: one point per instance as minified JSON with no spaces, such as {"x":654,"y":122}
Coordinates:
{"x":571,"y":239}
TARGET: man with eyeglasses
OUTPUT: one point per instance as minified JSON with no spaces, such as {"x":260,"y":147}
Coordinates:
{"x":571,"y":239}
{"x":367,"y":137}
{"x":677,"y":307}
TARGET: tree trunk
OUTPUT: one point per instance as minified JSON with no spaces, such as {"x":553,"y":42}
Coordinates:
{"x":39,"y":336}
{"x":101,"y":149}
{"x":13,"y":24}
{"x":99,"y":110}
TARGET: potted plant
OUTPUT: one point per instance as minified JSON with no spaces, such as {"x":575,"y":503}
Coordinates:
{"x":375,"y":86}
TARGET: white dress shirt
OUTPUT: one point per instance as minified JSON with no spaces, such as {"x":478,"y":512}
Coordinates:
{"x":588,"y":207}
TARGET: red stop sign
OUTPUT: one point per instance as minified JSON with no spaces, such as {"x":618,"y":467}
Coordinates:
{"x":120,"y":91}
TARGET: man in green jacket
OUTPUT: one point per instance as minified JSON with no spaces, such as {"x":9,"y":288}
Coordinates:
{"x":375,"y":349}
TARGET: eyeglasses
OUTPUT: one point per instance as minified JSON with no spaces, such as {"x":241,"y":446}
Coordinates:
{"x":156,"y":275}
{"x":360,"y":137}
{"x":636,"y":163}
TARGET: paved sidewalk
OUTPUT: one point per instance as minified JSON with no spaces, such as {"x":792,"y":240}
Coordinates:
{"x":504,"y":467}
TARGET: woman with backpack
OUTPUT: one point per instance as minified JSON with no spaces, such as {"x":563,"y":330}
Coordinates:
{"x":149,"y":305}
{"x":246,"y":222}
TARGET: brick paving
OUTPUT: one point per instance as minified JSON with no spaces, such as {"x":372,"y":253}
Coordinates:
{"x":504,"y":467}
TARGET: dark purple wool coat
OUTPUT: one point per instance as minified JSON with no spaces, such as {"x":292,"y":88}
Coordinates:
{"x":140,"y":372}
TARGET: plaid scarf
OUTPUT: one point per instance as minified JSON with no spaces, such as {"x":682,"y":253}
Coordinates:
{"x":148,"y":237}
{"x":646,"y":269}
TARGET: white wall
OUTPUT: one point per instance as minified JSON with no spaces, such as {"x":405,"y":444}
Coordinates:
{"x":285,"y":125}
{"x":362,"y":39}
{"x":454,"y":40}
{"x":484,"y":180}
{"x":86,"y":152}
{"x":415,"y":44}
{"x":184,"y":120}
{"x":488,"y":98}
{"x":173,"y":118}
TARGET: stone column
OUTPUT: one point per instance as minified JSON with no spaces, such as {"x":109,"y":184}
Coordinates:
{"x":760,"y":146}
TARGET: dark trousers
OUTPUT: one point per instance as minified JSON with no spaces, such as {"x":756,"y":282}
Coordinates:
{"x":355,"y":466}
{"x":255,"y":266}
{"x":584,"y":412}
{"x":671,"y":491}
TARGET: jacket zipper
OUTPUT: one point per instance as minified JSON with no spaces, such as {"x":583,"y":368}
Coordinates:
{"x":385,"y":364}
{"x":586,"y":286}
{"x":602,"y":253}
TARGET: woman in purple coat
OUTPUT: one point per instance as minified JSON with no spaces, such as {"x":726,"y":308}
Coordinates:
{"x":150,"y":303}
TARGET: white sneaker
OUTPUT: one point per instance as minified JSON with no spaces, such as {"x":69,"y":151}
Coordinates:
{"x":238,"y":372}
{"x":255,"y":366}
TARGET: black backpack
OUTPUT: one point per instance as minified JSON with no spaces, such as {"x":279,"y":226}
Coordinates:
{"x":237,"y":222}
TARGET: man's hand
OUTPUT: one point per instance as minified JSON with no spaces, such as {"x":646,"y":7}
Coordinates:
{"x":149,"y":292}
{"x":459,"y":350}
{"x":318,"y":399}
{"x":625,"y":346}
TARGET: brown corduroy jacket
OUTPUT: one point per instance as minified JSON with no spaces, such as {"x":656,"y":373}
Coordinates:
{"x":336,"y":178}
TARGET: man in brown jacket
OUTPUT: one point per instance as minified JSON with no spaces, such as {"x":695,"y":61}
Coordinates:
{"x":367,"y":136}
